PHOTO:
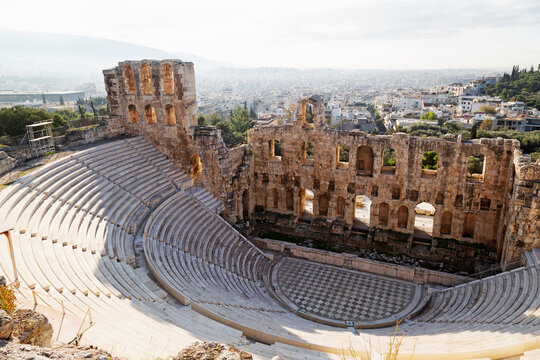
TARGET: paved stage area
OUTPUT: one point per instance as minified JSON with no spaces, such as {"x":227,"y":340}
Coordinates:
{"x":328,"y":292}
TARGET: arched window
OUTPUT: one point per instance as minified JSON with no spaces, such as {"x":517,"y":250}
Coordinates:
{"x":383,"y":213}
{"x":476,"y":168}
{"x":310,"y":113}
{"x":150,"y":114}
{"x":423,"y":220}
{"x":170,"y":115}
{"x":133,"y":116}
{"x":146,"y":78}
{"x":275,"y":194}
{"x":364,"y":160}
{"x":388,"y":160}
{"x":340,"y":207}
{"x":468,"y":226}
{"x":403,"y":217}
{"x":129,"y":81}
{"x":167,"y":79}
{"x":446,"y":223}
{"x":306,"y":203}
{"x":323,"y":205}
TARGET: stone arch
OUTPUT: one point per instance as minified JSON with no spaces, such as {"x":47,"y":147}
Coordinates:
{"x":129,"y":80}
{"x":306,"y":203}
{"x":150,"y":114}
{"x":146,"y":79}
{"x":170,"y":116}
{"x":446,"y":222}
{"x":133,"y":116}
{"x":468,"y":225}
{"x":167,"y":79}
{"x":323,"y":205}
{"x":364,"y":160}
{"x":340,"y":207}
{"x":424,"y":214}
{"x":403,"y":217}
{"x":384,"y":211}
{"x":362,"y":211}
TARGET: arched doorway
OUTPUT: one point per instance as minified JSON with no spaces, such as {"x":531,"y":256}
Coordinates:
{"x":423,"y":220}
{"x":362,"y":209}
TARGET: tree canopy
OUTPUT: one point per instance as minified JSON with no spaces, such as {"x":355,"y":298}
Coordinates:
{"x":520,"y":85}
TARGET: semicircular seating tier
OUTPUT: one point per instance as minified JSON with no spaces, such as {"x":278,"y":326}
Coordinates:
{"x":76,"y":223}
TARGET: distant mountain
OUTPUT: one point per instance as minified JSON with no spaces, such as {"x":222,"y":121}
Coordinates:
{"x":43,"y":54}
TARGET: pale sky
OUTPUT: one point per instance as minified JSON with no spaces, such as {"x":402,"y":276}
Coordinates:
{"x":379,"y":34}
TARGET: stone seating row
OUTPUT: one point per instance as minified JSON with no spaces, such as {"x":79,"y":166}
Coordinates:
{"x":99,"y":196}
{"x":512,"y":297}
{"x":189,"y":244}
{"x":180,"y":238}
{"x":127,"y":321}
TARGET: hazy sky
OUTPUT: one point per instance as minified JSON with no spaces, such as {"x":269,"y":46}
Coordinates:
{"x":376,"y":34}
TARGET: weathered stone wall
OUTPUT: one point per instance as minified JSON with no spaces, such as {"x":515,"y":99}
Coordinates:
{"x":522,"y":221}
{"x":447,"y":189}
{"x":157,"y":100}
{"x":476,"y":217}
{"x":351,"y":261}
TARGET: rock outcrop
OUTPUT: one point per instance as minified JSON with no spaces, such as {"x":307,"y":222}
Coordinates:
{"x":212,"y":351}
{"x":12,"y":351}
{"x":6,"y":325}
{"x":31,"y":327}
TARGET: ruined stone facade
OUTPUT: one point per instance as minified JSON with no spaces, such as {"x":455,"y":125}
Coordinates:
{"x":493,"y":215}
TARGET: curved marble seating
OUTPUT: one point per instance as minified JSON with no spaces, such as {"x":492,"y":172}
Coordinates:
{"x":75,"y":221}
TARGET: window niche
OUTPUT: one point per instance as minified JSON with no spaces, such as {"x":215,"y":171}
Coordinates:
{"x":274,"y":148}
{"x":307,"y":153}
{"x":146,"y":79}
{"x":150,"y":114}
{"x":364,"y":161}
{"x":167,"y":79}
{"x":476,"y":167}
{"x":430,"y":162}
{"x":342,"y":156}
{"x":170,"y":116}
{"x":133,"y":116}
{"x":388,"y":161}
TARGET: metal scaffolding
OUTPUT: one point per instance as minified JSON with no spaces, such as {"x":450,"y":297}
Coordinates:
{"x":40,"y":137}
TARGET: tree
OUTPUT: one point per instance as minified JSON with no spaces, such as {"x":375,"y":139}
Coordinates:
{"x":234,"y":130}
{"x":428,"y":115}
{"x":488,"y":109}
{"x":475,"y":164}
{"x":213,"y":119}
{"x":201,"y":121}
{"x":429,"y":160}
{"x":486,"y":124}
{"x":61,"y":100}
{"x":82,"y":111}
{"x":473,"y":132}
